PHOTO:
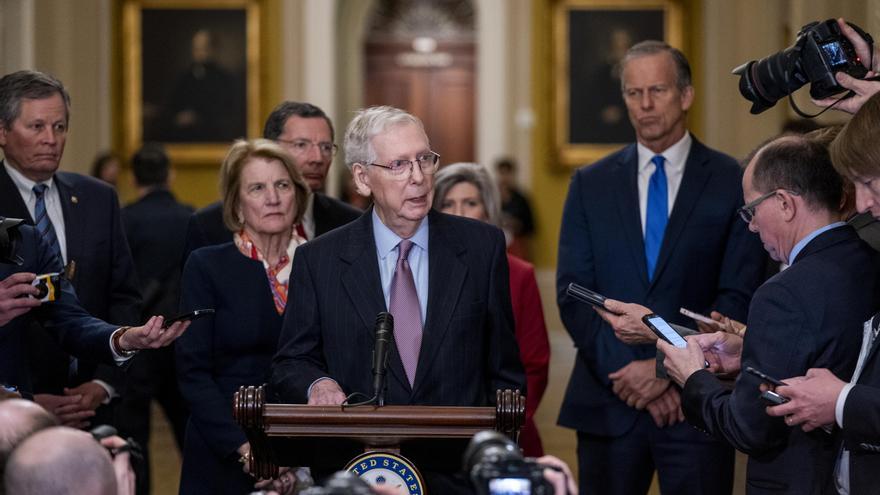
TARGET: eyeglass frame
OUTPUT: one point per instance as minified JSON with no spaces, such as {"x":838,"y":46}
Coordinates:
{"x":404,"y":175}
{"x":333,"y":146}
{"x":747,"y":211}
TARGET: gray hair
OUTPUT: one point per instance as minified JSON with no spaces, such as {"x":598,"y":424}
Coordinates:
{"x":369,"y":123}
{"x":471,"y":173}
{"x":30,"y":85}
{"x":653,"y":47}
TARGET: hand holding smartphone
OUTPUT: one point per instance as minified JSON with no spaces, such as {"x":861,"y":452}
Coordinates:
{"x":769,"y":396}
{"x":585,"y":295}
{"x":697,"y":316}
{"x":192,"y":315}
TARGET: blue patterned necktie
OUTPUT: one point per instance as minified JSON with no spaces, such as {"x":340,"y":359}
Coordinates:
{"x":657,"y":214}
{"x":42,"y":221}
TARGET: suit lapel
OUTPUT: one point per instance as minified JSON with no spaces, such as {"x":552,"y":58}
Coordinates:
{"x":693,"y":181}
{"x":628,"y":208}
{"x":446,"y":275}
{"x":74,"y":223}
{"x":362,"y":283}
{"x":11,"y":203}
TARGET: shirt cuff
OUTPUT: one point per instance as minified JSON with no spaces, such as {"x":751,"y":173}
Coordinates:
{"x":111,"y":392}
{"x":119,"y":359}
{"x":841,"y":401}
{"x":309,"y":392}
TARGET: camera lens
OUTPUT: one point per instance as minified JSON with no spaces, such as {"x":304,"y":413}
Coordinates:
{"x":765,"y":81}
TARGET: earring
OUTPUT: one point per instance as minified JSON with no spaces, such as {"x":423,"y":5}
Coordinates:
{"x":240,"y":217}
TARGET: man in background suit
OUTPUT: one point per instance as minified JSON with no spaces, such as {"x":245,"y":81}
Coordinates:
{"x":807,"y":316}
{"x":155,"y":226}
{"x":448,"y":290}
{"x":79,"y":216}
{"x":665,"y":236}
{"x":307,"y":133}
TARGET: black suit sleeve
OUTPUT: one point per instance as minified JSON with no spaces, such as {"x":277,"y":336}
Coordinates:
{"x":776,"y":345}
{"x":861,"y":415}
{"x":504,"y":365}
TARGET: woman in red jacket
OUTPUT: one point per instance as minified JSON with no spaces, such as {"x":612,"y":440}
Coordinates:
{"x":465,"y":189}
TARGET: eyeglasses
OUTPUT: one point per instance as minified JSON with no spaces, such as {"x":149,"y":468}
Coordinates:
{"x":303,"y":146}
{"x":747,"y":211}
{"x":402,"y":169}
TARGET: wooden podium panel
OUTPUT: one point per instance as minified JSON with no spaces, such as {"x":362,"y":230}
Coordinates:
{"x":327,"y":437}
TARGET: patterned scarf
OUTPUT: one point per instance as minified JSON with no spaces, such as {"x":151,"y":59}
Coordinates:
{"x":278,"y":275}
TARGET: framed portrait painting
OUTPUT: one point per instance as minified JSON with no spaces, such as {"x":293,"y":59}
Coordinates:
{"x":590,"y":40}
{"x":190,"y":75}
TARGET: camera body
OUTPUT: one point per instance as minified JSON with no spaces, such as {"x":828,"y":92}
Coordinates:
{"x":497,"y":467}
{"x":341,"y":483}
{"x":49,"y":285}
{"x":821,"y":50}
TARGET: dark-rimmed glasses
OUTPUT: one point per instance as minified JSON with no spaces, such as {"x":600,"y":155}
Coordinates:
{"x":402,"y":169}
{"x":302,"y":146}
{"x":747,"y":211}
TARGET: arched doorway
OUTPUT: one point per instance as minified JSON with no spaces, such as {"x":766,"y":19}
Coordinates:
{"x":420,"y":55}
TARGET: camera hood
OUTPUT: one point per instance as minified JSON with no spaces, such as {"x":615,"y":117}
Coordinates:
{"x":10,"y":238}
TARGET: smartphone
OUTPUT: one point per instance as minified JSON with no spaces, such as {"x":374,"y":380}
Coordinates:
{"x":765,"y":377}
{"x":192,"y":315}
{"x":664,"y":330}
{"x":697,"y":316}
{"x":772,"y":398}
{"x":585,"y":295}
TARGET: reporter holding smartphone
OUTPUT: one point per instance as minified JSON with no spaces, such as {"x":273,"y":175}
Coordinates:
{"x":245,"y":282}
{"x":820,"y":398}
{"x":807,"y":316}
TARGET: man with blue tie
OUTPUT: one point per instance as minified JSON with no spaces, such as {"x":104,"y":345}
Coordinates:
{"x":655,"y":223}
{"x":79,"y":219}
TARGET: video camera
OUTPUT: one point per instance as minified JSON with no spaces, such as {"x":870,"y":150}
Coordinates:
{"x":341,"y":483}
{"x":10,"y":237}
{"x":497,"y":467}
{"x":819,"y":52}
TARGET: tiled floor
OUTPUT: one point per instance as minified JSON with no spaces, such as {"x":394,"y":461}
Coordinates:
{"x":557,"y":441}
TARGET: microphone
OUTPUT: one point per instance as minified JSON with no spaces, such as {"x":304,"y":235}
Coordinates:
{"x":384,"y":335}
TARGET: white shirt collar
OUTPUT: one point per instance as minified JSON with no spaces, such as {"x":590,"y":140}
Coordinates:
{"x":25,"y":185}
{"x":675,"y":155}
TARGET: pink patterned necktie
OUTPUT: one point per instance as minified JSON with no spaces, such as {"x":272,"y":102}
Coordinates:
{"x":407,"y":312}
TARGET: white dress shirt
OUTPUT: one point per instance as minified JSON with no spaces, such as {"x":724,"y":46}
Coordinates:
{"x":53,"y":203}
{"x":676,"y":157}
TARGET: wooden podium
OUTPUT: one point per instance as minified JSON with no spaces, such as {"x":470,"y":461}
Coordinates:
{"x":327,"y":437}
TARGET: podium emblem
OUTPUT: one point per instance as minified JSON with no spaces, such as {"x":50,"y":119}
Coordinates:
{"x":382,"y":468}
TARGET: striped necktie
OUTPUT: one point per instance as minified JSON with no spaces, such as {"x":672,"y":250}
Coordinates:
{"x":42,"y":221}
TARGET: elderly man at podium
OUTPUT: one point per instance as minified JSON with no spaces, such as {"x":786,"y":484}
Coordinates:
{"x":443,"y":278}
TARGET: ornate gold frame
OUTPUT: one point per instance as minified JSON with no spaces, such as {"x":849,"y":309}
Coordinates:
{"x":571,"y":154}
{"x":128,"y":73}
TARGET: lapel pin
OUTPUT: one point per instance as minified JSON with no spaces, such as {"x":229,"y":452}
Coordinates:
{"x":74,"y":199}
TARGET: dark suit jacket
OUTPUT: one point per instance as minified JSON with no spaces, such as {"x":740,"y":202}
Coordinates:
{"x":155,"y":227}
{"x":861,"y":426}
{"x":64,"y":319}
{"x":104,"y":278}
{"x":206,"y":227}
{"x":808,"y":316}
{"x":217,"y":355}
{"x":708,"y":260}
{"x":468,"y":346}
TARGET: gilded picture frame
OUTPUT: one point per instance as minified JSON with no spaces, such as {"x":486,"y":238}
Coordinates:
{"x":191,"y":76}
{"x":589,"y":38}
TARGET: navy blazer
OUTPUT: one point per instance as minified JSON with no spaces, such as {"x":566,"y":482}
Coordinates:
{"x":218,"y":354}
{"x":104,"y":278}
{"x":64,"y":319}
{"x":708,"y":260}
{"x":468,"y":346}
{"x":808,"y":316}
